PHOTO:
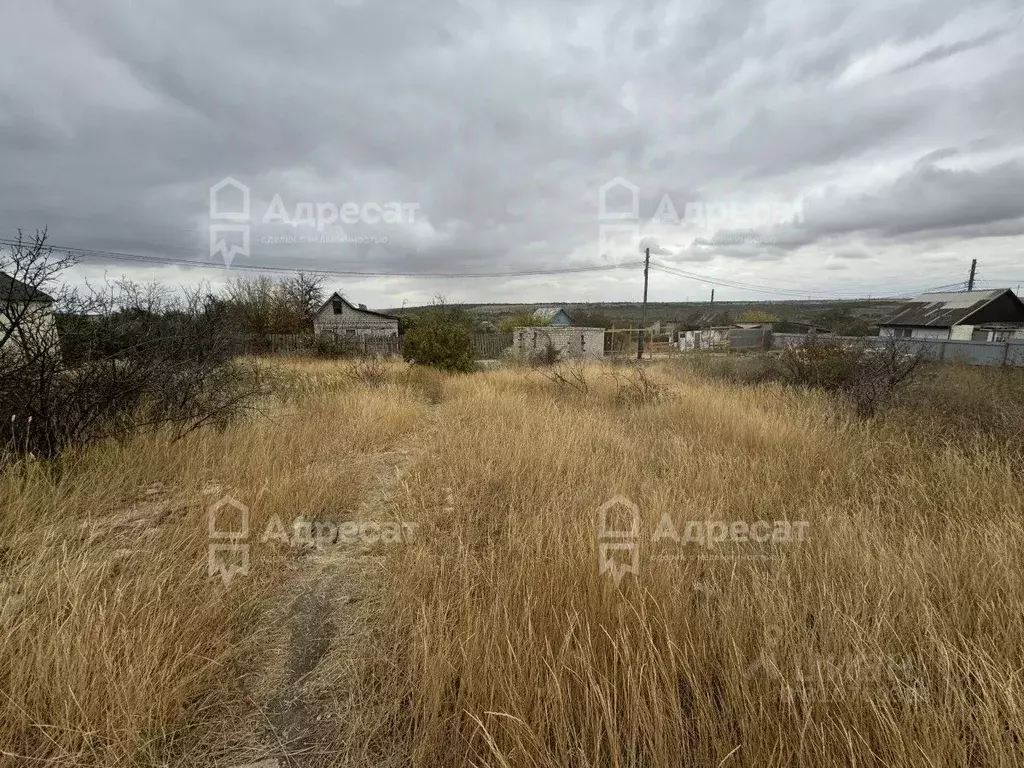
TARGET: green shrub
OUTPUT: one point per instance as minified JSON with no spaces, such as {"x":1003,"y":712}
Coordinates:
{"x":442,"y":338}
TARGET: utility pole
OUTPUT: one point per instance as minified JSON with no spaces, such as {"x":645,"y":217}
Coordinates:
{"x":643,"y":312}
{"x":970,"y":280}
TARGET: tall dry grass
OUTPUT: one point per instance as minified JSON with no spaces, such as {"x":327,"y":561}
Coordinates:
{"x":891,"y":635}
{"x":117,"y":646}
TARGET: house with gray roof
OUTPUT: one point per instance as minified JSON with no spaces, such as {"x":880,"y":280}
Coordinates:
{"x":26,"y":316}
{"x":16,"y":292}
{"x":340,"y":319}
{"x":556,"y":316}
{"x":993,"y":315}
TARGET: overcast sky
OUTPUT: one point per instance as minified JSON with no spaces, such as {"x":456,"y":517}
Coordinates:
{"x":823,"y":148}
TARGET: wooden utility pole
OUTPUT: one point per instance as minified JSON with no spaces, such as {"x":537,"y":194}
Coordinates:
{"x":643,"y":312}
{"x":970,"y":280}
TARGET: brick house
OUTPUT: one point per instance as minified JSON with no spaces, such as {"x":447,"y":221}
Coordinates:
{"x":340,"y":318}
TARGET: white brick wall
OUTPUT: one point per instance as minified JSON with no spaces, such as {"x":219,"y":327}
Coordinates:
{"x":570,"y":342}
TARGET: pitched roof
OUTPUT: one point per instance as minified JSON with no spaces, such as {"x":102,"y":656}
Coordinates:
{"x":943,"y":310}
{"x":547,"y":313}
{"x":350,"y":305}
{"x":15,"y":290}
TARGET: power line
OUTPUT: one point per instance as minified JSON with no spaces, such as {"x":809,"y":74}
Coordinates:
{"x":784,"y":291}
{"x":168,"y":261}
{"x":793,"y":292}
{"x":741,"y":285}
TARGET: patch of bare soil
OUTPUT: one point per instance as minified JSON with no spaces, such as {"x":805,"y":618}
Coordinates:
{"x":337,"y":587}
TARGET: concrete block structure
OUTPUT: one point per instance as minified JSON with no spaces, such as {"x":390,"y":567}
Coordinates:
{"x":570,"y":342}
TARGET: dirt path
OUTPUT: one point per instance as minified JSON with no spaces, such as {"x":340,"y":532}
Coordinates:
{"x":328,"y":622}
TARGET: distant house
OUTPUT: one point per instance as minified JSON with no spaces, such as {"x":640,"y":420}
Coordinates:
{"x":965,"y":315}
{"x":715,"y":337}
{"x":340,"y":318}
{"x":26,"y":315}
{"x":735,"y":336}
{"x":556,"y":316}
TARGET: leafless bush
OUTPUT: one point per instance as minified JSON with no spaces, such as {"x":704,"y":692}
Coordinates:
{"x":867,"y":376}
{"x":568,"y":377}
{"x":546,"y":356}
{"x":636,"y":387}
{"x":260,"y":306}
{"x":122,"y":359}
{"x":370,"y":371}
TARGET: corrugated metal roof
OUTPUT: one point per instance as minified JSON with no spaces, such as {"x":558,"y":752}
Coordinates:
{"x":942,"y":310}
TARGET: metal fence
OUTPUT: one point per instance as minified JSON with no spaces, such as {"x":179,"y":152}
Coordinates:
{"x":934,"y":350}
{"x":490,"y":346}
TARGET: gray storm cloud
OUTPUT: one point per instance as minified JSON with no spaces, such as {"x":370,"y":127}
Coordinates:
{"x":896,"y":128}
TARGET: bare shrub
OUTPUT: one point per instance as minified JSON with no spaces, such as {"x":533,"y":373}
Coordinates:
{"x":260,"y":306}
{"x":867,"y":376}
{"x":132,"y":358}
{"x":370,"y":371}
{"x":636,"y":387}
{"x":568,"y":377}
{"x":546,"y":356}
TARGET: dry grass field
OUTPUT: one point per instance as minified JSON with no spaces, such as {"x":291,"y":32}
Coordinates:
{"x":880,"y":622}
